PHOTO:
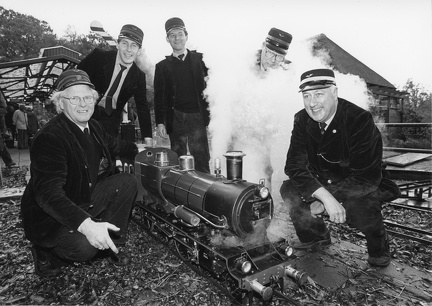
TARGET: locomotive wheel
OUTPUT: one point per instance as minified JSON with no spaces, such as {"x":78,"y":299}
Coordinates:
{"x":183,"y":251}
{"x":237,"y":294}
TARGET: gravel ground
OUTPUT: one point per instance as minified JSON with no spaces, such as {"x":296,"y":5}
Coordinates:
{"x":156,"y":276}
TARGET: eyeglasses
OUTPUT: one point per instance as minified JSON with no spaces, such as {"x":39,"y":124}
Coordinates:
{"x":270,"y":55}
{"x":75,"y":100}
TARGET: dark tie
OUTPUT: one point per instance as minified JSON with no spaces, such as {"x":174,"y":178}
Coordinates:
{"x":180,"y":57}
{"x":87,"y":133}
{"x":322,"y":126}
{"x":113,"y":89}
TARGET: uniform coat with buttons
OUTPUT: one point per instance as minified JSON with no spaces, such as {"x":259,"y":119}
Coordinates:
{"x":99,"y":65}
{"x":346,"y":160}
{"x":59,"y":191}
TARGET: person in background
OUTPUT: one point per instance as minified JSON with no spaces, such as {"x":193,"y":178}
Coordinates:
{"x":271,"y":56}
{"x":20,"y":120}
{"x":73,"y":206}
{"x":181,"y":110}
{"x":105,"y":67}
{"x":334,"y":164}
{"x":9,"y":122}
{"x":33,"y":124}
{"x":274,"y":50}
{"x":4,"y":153}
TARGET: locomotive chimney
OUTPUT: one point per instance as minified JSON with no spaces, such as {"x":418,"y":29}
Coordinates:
{"x":234,"y":165}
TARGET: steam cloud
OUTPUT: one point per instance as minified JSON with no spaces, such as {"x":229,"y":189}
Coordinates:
{"x":256,"y":110}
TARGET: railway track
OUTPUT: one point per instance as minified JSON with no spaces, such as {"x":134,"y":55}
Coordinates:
{"x":410,"y":215}
{"x":404,"y":219}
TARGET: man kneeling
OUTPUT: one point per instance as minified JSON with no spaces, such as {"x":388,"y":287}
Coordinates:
{"x":334,"y":164}
{"x":73,"y":206}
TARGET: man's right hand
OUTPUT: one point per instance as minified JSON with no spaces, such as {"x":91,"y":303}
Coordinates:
{"x":97,"y":233}
{"x":162,"y":130}
{"x":334,"y":209}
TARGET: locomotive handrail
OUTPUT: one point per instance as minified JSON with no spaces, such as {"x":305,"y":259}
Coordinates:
{"x":224,"y":220}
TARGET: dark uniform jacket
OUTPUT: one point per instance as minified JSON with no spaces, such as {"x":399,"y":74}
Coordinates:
{"x":99,"y":65}
{"x":346,"y":160}
{"x":59,"y":191}
{"x":165,"y":89}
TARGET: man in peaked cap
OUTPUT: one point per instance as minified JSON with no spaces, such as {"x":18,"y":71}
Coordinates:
{"x":274,"y":49}
{"x":334,"y":164}
{"x":73,"y":207}
{"x":105,"y":68}
{"x":181,"y":110}
{"x":270,"y":56}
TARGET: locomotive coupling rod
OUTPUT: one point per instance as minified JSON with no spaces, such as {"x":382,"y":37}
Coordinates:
{"x":186,"y":216}
{"x":265,"y":292}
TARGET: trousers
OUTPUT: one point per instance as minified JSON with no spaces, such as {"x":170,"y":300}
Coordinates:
{"x":362,"y":213}
{"x":22,"y":139}
{"x":112,"y":201}
{"x":4,"y":153}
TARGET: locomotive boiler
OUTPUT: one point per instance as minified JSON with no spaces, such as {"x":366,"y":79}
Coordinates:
{"x":222,"y":203}
{"x":194,"y":209}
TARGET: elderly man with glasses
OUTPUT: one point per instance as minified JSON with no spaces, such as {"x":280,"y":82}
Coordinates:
{"x":270,"y":56}
{"x":73,"y":207}
{"x":274,"y":49}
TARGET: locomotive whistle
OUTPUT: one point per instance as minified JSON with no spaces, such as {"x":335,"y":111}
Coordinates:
{"x":217,"y":166}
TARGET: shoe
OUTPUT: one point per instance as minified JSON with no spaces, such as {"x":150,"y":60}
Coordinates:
{"x":10,"y":164}
{"x":380,"y":245}
{"x":382,"y":261}
{"x":119,"y":259}
{"x":44,"y":262}
{"x":322,"y":240}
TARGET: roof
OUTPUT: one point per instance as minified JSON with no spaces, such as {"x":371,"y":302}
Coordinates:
{"x":345,"y":63}
{"x":26,"y":80}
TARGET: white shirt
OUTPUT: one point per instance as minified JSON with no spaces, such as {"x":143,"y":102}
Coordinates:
{"x":185,"y":54}
{"x":114,"y":75}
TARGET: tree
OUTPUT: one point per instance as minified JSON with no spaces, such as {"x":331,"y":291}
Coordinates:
{"x":22,"y":36}
{"x":417,"y":109}
{"x":83,"y":44}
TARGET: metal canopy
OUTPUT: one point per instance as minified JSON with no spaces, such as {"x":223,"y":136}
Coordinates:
{"x":26,"y":80}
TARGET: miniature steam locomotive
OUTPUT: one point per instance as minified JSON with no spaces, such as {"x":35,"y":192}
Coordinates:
{"x":213,"y":221}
